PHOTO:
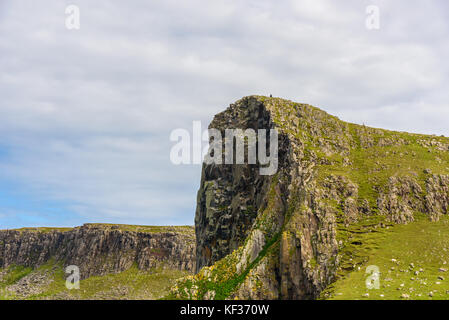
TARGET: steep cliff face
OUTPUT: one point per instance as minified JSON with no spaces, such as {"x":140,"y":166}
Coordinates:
{"x":230,"y":195}
{"x":99,"y":249}
{"x":287,"y":235}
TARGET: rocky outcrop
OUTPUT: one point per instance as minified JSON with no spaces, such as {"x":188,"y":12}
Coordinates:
{"x":100,"y":249}
{"x":277,"y":237}
{"x":436,"y":199}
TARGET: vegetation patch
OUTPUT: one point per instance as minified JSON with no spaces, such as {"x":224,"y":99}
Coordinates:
{"x":413,"y":261}
{"x":130,"y":284}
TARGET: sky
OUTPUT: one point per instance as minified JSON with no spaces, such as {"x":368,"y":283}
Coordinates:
{"x":86,"y":114}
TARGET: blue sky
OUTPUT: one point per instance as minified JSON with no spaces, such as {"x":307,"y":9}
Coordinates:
{"x":86,"y":115}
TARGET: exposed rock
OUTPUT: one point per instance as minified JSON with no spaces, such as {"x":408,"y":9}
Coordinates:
{"x":402,"y":198}
{"x":98,"y":250}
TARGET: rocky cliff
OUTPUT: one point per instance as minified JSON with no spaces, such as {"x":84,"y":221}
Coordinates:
{"x":289,"y":235}
{"x":99,"y":249}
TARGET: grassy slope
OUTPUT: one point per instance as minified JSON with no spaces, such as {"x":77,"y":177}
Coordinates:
{"x":130,"y":284}
{"x":409,"y":258}
{"x":122,"y":227}
{"x":373,"y":154}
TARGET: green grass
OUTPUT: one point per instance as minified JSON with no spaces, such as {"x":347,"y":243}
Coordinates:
{"x":122,"y":227}
{"x":42,"y":229}
{"x":367,"y":156}
{"x":130,"y":284}
{"x":399,"y":252}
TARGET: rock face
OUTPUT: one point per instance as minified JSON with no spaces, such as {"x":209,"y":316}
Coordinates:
{"x":280,"y":236}
{"x":100,"y":249}
{"x":230,"y":194}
